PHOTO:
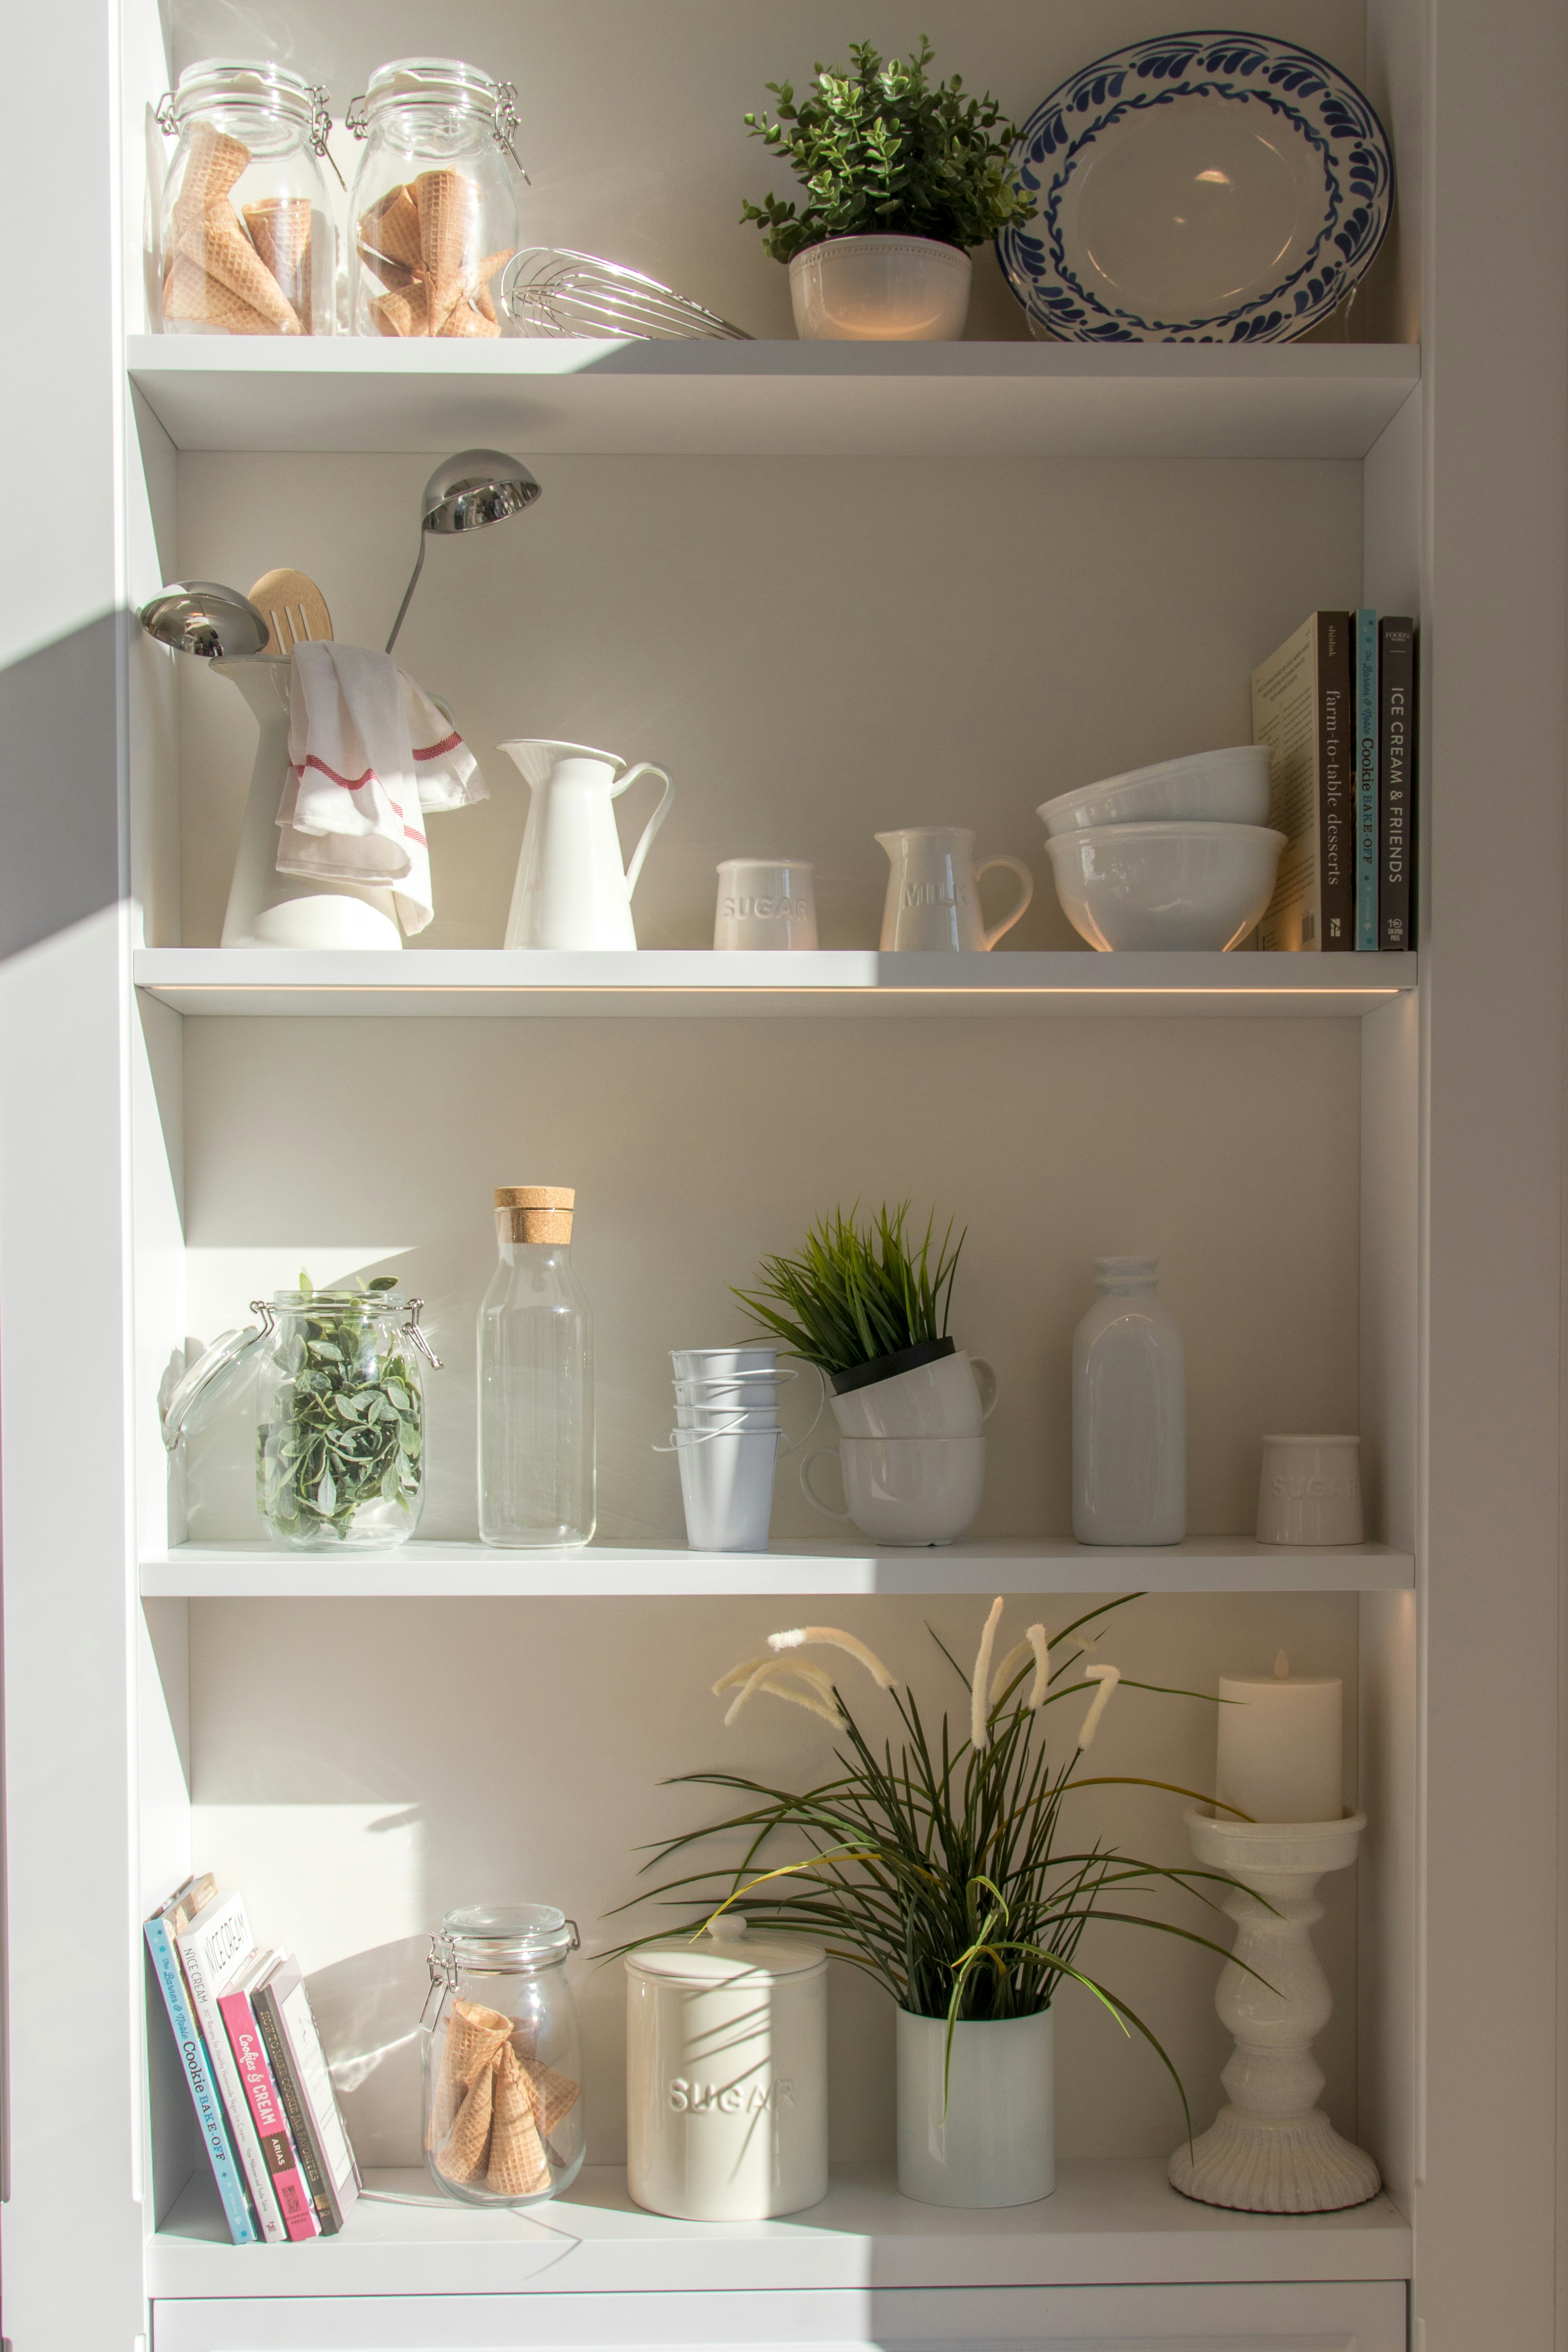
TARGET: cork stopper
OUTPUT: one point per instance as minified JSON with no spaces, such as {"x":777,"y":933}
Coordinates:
{"x":535,"y":1212}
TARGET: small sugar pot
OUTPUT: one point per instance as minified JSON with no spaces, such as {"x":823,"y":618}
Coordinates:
{"x":726,"y":2076}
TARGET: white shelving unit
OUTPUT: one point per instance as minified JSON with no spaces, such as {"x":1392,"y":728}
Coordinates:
{"x":910,"y":582}
{"x":1115,"y":2222}
{"x":426,"y":1570}
{"x":443,"y":982}
{"x":770,"y":399}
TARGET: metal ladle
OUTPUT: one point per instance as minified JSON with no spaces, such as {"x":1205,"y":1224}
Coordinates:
{"x":201,"y":616}
{"x":474,"y":487}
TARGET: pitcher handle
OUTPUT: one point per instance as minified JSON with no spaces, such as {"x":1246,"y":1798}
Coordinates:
{"x":647,"y":768}
{"x":1020,"y":869}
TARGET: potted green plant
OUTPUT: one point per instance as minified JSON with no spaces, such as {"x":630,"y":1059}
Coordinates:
{"x":951,"y":1875}
{"x":902,"y":175}
{"x":869,"y":1307}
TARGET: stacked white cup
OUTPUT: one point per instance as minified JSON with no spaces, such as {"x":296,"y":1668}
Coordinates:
{"x":728,"y":1441}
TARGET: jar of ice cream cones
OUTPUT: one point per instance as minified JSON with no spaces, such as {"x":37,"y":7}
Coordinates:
{"x":246,"y":242}
{"x":433,"y":216}
{"x":503,"y":2065}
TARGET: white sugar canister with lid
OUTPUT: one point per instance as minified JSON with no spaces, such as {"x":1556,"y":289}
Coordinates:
{"x":726,"y":2076}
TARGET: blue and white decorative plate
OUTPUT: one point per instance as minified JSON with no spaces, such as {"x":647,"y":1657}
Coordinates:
{"x":1201,"y":188}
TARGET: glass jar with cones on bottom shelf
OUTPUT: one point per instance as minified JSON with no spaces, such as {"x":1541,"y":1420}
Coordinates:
{"x":432,"y":217}
{"x":503,"y":2065}
{"x":246,"y":239}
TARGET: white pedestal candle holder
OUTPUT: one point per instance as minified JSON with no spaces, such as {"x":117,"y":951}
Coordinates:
{"x":1272,"y":2149}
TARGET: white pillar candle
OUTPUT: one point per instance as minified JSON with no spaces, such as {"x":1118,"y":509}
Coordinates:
{"x":1279,"y":1745}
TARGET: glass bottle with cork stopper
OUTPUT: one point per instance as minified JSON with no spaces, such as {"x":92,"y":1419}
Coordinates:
{"x":536,"y":1379}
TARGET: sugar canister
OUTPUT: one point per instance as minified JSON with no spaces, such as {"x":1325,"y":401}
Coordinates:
{"x":727,"y":2080}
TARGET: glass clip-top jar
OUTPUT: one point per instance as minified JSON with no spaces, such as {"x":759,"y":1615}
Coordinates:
{"x":502,"y":2060}
{"x":246,"y":241}
{"x":432,"y":213}
{"x":340,"y":1413}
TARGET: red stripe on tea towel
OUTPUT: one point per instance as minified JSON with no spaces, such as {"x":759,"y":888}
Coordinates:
{"x":349,"y":784}
{"x":437,"y":750}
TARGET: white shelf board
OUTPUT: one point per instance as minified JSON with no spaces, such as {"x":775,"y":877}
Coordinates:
{"x":1029,"y":1564}
{"x":774,"y":399}
{"x":654,"y":981}
{"x":1112,"y":2223}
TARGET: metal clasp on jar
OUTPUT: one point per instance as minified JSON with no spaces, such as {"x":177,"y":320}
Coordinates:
{"x":415,"y":1306}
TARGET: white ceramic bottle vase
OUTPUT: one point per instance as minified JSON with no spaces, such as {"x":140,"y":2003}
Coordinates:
{"x":1129,"y":1412}
{"x":536,"y":1379}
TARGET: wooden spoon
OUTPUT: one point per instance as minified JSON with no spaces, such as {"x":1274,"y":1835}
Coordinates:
{"x":295,"y":610}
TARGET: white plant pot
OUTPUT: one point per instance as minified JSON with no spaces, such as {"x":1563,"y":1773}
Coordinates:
{"x":996,"y":2142}
{"x":879,"y":289}
{"x":950,"y":1397}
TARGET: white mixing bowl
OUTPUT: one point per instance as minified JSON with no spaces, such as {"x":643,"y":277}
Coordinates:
{"x":1209,"y":788}
{"x":1165,"y":885}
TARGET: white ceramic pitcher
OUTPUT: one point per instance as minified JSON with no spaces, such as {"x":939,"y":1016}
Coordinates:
{"x":932,"y":899}
{"x":571,"y":889}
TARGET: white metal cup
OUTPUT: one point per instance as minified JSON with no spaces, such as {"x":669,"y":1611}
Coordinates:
{"x":726,"y":1487}
{"x":1309,"y":1491}
{"x":717,"y":1419}
{"x":747,"y":1361}
{"x":727,"y":2076}
{"x":765,"y":903}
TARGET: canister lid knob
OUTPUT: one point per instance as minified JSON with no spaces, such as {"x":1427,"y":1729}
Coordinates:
{"x":728,"y":1928}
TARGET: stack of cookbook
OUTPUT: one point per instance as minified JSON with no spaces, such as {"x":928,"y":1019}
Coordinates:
{"x":254,"y":2062}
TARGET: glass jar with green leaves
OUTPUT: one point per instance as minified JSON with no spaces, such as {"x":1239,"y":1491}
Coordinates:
{"x":340,"y":1432}
{"x":341,"y":1417}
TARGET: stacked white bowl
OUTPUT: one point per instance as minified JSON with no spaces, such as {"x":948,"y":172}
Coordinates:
{"x":1177,"y":855}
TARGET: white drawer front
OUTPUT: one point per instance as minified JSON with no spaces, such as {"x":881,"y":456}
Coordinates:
{"x":1307,"y":2318}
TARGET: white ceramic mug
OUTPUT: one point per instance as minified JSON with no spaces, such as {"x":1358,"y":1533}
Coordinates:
{"x":950,"y":1397}
{"x":1309,"y":1491}
{"x":765,"y":903}
{"x":933,"y":896}
{"x":904,"y":1490}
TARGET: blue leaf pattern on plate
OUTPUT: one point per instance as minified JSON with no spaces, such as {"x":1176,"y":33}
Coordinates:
{"x":1299,"y":90}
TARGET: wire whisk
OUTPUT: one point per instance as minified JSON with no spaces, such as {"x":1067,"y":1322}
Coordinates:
{"x":548,"y":291}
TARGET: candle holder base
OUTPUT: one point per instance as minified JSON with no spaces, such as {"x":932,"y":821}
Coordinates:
{"x":1272,"y":2149}
{"x":1252,"y":2167}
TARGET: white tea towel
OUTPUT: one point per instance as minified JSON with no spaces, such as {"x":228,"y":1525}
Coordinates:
{"x":369,"y":755}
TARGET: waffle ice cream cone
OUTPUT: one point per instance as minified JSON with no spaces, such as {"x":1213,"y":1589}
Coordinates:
{"x":551,"y":2095}
{"x":213,"y":161}
{"x":390,"y":230}
{"x":281,"y":231}
{"x":463,"y":319}
{"x":448,"y":204}
{"x":220,"y":246}
{"x":465,"y":2152}
{"x":190,"y":293}
{"x":518,"y":2166}
{"x":401,"y":314}
{"x":473,"y":2038}
{"x":484,"y":301}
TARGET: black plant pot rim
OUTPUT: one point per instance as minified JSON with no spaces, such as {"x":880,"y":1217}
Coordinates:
{"x":887,"y":1368}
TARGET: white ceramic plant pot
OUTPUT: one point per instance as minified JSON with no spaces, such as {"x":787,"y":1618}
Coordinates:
{"x":879,"y":289}
{"x":994,"y":2140}
{"x":950,"y":1397}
